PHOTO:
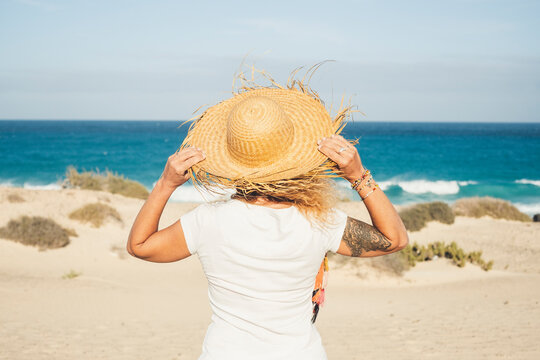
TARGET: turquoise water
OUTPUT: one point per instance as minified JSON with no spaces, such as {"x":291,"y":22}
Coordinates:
{"x":411,"y":161}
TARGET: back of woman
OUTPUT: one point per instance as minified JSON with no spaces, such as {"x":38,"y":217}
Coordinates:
{"x":261,"y":265}
{"x":263,"y":250}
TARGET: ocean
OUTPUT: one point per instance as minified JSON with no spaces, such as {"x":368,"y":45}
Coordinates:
{"x":412,"y":161}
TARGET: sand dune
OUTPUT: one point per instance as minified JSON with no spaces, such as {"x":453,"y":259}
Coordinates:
{"x":124,"y":308}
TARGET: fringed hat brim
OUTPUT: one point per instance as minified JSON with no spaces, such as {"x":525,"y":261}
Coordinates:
{"x":311,"y":122}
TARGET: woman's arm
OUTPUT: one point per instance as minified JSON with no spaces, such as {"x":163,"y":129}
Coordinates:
{"x":388,"y":233}
{"x":169,"y":244}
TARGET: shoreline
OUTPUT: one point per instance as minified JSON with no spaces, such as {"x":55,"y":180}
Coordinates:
{"x":188,"y":194}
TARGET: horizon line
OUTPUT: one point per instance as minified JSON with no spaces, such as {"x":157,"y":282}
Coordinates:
{"x":352,"y":121}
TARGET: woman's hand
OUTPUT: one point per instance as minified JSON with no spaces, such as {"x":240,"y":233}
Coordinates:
{"x":176,"y":169}
{"x":344,"y":155}
{"x":169,"y":244}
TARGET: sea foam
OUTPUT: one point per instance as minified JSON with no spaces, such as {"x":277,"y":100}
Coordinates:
{"x":528,"y":181}
{"x":7,"y":183}
{"x":31,"y":186}
{"x":189,"y":193}
{"x":53,"y":186}
{"x":529,"y":209}
{"x":422,"y":186}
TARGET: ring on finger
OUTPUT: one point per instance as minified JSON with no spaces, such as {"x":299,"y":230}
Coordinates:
{"x":342,"y":149}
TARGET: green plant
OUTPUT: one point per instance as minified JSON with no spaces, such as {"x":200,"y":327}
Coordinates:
{"x":417,"y":253}
{"x":71,"y":275}
{"x":36,"y":231}
{"x":496,"y":208}
{"x":95,"y":214}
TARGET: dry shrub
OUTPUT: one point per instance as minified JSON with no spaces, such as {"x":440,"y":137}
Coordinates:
{"x":120,"y":251}
{"x":95,"y":214}
{"x":338,"y":259}
{"x":15,"y":198}
{"x":395,"y":263}
{"x":88,"y":180}
{"x":496,"y":208}
{"x":414,"y":218}
{"x":417,"y":216}
{"x":117,"y":184}
{"x":71,"y":232}
{"x":36,"y":231}
{"x":107,"y":181}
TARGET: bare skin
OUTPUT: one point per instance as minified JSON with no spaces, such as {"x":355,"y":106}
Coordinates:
{"x":168,"y":244}
{"x":360,"y":239}
{"x":387,"y":234}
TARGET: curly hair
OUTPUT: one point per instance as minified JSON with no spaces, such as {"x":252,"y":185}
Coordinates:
{"x":313,"y":196}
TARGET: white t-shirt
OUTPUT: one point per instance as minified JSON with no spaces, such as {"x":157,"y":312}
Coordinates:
{"x":261,"y":265}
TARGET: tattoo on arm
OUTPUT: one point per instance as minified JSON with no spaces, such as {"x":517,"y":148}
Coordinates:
{"x":361,"y":237}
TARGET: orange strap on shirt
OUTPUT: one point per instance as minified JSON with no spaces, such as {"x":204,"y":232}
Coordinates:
{"x":318,"y":291}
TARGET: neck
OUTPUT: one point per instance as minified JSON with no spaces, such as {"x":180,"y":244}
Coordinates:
{"x":265,"y":202}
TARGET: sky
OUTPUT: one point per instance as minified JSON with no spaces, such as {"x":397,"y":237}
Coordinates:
{"x":460,"y":60}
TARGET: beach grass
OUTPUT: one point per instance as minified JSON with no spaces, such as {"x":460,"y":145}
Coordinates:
{"x":398,"y":262}
{"x":72,"y":274}
{"x":36,"y":231}
{"x":120,"y":251}
{"x":417,"y":253}
{"x":15,"y":198}
{"x":395,"y":263}
{"x":71,"y":232}
{"x":106,"y":181}
{"x":95,"y":214}
{"x":416,"y":217}
{"x":481,"y":206}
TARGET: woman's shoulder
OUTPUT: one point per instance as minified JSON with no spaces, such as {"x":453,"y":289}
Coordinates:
{"x":221,"y":203}
{"x":235,"y":207}
{"x":218,"y":205}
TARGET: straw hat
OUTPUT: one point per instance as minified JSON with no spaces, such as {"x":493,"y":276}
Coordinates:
{"x":262,"y":135}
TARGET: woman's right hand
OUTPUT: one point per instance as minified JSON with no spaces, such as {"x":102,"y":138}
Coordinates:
{"x":176,"y":169}
{"x":345,"y":155}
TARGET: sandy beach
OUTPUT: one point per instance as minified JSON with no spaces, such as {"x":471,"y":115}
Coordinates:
{"x":119,"y":307}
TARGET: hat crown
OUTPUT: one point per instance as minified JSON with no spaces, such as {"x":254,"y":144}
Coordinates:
{"x":258,"y":131}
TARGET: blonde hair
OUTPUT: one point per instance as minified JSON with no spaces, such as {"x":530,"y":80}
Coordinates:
{"x":313,"y":196}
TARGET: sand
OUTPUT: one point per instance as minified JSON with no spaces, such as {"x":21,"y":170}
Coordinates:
{"x":120,"y":307}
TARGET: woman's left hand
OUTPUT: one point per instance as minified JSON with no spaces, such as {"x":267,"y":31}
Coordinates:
{"x":344,"y":154}
{"x":176,"y":169}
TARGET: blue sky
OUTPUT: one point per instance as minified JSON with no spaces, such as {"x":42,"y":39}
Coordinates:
{"x":469,"y":60}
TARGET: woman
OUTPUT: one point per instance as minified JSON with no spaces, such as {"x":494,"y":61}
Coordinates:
{"x":261,"y":250}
